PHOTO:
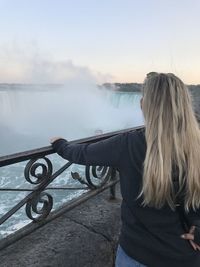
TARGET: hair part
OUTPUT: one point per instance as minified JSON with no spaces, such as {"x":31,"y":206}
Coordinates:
{"x":173,"y":140}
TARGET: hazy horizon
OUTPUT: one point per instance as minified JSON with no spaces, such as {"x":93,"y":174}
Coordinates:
{"x":62,"y":84}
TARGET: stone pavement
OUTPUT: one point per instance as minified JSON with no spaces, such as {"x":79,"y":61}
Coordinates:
{"x":85,"y":236}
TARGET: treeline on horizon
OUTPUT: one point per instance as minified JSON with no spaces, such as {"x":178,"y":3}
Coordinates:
{"x":136,"y":87}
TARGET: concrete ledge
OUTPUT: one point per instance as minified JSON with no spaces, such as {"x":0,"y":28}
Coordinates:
{"x":85,"y":236}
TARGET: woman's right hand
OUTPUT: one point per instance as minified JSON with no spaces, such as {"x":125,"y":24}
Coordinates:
{"x":191,"y":237}
{"x":53,"y":139}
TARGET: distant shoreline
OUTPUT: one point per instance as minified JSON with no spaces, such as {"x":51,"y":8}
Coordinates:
{"x":121,"y":87}
{"x":136,"y":87}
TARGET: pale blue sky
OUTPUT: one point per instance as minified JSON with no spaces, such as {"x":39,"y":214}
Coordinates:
{"x":121,"y":38}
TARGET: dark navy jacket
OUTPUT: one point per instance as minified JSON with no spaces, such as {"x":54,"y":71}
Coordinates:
{"x":149,"y":235}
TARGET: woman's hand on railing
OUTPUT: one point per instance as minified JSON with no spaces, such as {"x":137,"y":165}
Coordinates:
{"x":53,"y":139}
{"x":193,"y":237}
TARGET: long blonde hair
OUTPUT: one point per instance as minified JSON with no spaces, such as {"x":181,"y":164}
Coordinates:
{"x":173,"y":138}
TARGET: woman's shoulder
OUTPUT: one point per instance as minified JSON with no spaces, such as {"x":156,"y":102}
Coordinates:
{"x":132,"y":138}
{"x":135,"y":144}
{"x":137,"y":140}
{"x":137,"y":133}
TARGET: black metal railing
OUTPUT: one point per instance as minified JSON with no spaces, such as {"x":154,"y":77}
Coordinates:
{"x":38,"y":172}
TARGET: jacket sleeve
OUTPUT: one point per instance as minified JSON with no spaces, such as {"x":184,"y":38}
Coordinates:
{"x":103,"y":153}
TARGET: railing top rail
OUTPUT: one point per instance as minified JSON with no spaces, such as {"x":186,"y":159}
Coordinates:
{"x":41,"y":152}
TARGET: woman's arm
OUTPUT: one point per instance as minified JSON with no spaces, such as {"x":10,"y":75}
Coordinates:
{"x":103,"y":153}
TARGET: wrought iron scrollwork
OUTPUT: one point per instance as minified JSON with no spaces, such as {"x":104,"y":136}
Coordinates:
{"x":39,"y":172}
{"x":31,"y":173}
{"x":97,"y":176}
{"x":76,"y":176}
{"x":41,"y":204}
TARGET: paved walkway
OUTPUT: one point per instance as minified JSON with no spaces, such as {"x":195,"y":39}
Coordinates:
{"x":83,"y":237}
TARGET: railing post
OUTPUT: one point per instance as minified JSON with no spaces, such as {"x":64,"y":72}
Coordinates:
{"x":113,"y":187}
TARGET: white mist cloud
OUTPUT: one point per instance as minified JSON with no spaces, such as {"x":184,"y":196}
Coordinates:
{"x":29,"y":64}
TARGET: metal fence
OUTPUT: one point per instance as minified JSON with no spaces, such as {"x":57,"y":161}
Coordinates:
{"x":38,"y":172}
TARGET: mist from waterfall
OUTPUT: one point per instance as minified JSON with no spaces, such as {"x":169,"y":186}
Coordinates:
{"x":31,"y":114}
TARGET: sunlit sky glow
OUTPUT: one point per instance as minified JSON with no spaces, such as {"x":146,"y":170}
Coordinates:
{"x":118,"y":40}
